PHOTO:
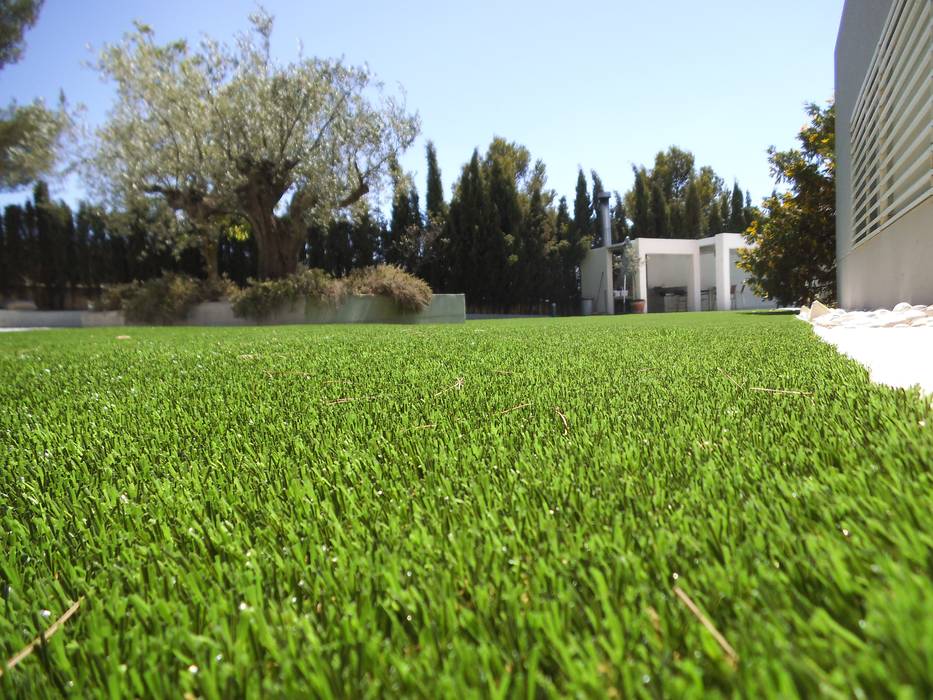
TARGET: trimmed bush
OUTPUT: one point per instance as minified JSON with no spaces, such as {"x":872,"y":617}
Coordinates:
{"x":262,"y":299}
{"x":410,"y":293}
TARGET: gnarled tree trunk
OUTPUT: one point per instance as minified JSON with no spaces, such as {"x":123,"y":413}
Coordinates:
{"x":279,"y":239}
{"x":209,"y":254}
{"x":278,"y":245}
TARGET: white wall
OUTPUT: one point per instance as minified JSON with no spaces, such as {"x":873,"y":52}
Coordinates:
{"x":668,"y":270}
{"x":596,"y":279}
{"x":674,"y":271}
{"x":893,"y":266}
{"x":707,"y":268}
{"x":676,"y":262}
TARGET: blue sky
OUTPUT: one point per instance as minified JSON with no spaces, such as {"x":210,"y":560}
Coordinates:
{"x":597,"y":85}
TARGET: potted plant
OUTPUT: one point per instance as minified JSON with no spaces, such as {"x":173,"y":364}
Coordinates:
{"x":628,"y":268}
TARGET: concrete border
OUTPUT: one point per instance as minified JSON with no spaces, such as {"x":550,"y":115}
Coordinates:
{"x":59,"y":319}
{"x":444,"y":308}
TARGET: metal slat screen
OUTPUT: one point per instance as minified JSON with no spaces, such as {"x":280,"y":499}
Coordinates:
{"x":892,"y":125}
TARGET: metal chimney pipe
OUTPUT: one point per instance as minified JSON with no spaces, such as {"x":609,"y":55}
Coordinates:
{"x":602,"y":199}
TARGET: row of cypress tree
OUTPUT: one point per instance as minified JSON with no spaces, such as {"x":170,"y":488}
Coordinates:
{"x":508,"y":241}
{"x":59,"y":258}
{"x":502,"y":240}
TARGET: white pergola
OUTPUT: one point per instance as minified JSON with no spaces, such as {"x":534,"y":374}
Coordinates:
{"x":597,"y":276}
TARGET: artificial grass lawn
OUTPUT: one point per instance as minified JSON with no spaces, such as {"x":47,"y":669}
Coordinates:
{"x":372,"y":510}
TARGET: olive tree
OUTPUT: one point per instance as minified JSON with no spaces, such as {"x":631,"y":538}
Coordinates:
{"x":32,"y":136}
{"x":224,"y":131}
{"x":157,"y":143}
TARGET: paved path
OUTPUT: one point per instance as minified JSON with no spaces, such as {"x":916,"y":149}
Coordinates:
{"x":899,"y":357}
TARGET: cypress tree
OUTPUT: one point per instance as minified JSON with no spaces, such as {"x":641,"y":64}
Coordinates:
{"x":436,"y":206}
{"x":751,"y":212}
{"x":340,"y":247}
{"x":83,"y":247}
{"x":91,"y":225}
{"x":405,"y":225}
{"x":73,"y":252}
{"x":582,"y":213}
{"x":52,"y":244}
{"x":737,"y":218}
{"x":464,"y":221}
{"x":596,"y":234}
{"x":365,"y":237}
{"x":724,"y":210}
{"x":620,"y":227}
{"x":567,"y":256}
{"x":4,"y":261}
{"x":693,"y":223}
{"x":660,"y":212}
{"x":317,"y":240}
{"x":678,"y":219}
{"x":536,"y":239}
{"x":714,"y":226}
{"x":12,"y":249}
{"x":500,"y":246}
{"x":641,"y":214}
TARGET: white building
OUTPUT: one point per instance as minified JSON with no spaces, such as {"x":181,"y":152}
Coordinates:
{"x":671,"y":274}
{"x":884,"y":153}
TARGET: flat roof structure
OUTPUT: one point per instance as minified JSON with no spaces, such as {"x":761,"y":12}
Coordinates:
{"x":682,"y":261}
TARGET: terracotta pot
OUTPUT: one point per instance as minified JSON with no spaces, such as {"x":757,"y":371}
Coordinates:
{"x":638,"y":306}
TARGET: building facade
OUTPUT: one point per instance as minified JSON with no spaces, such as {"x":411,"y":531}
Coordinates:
{"x":670,"y":274}
{"x":884,"y":153}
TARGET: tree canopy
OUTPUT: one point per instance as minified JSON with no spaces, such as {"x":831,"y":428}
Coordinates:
{"x":795,"y":257}
{"x":675,"y":199}
{"x":16,"y":16}
{"x":219,"y":130}
{"x":32,"y":135}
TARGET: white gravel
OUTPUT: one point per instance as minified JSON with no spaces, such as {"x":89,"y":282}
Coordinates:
{"x":895,"y":346}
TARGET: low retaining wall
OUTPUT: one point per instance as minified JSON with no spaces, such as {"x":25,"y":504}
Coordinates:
{"x":444,"y":308}
{"x":59,"y":319}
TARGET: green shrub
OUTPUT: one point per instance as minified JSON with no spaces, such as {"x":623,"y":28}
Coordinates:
{"x":163,"y":300}
{"x":114,"y":296}
{"x":410,"y":293}
{"x":260,"y":299}
{"x":218,"y":290}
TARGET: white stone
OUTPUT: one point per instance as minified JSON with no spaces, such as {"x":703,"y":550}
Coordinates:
{"x":894,"y":319}
{"x":859,"y":321}
{"x":827,"y":320}
{"x":903,"y":306}
{"x":911,"y":314}
{"x":930,"y":310}
{"x":919,"y":307}
{"x":818,"y":309}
